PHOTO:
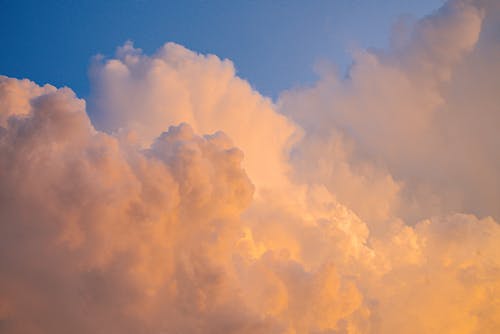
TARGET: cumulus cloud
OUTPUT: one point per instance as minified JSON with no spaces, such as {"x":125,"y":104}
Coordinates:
{"x":412,"y":121}
{"x":145,"y":94}
{"x":189,"y":203}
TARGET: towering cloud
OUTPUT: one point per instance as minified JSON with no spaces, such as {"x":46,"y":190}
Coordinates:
{"x":189,"y":203}
{"x":418,"y":120}
{"x":144,"y":95}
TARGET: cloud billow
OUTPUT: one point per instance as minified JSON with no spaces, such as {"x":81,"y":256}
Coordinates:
{"x":190,"y":203}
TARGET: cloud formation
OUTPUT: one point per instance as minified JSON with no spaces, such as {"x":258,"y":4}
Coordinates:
{"x":189,"y":203}
{"x":417,"y":120}
{"x":145,"y":94}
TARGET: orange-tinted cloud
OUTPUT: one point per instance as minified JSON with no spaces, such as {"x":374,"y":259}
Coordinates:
{"x":367,"y":204}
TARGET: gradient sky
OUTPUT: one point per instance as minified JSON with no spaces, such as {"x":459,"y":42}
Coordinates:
{"x":274,"y":44}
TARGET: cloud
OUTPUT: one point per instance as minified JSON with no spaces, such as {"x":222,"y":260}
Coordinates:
{"x":145,"y":94}
{"x":409,"y":131}
{"x":364,"y":204}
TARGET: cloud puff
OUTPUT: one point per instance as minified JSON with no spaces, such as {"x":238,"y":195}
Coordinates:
{"x":377,"y":220}
{"x":90,"y":226}
{"x":410,"y":129}
{"x":146,"y":94}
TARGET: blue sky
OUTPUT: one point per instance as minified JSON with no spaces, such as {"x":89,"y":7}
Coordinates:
{"x":274,"y":44}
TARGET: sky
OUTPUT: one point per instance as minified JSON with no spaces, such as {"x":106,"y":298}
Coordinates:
{"x":250,"y":167}
{"x":274,"y":44}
